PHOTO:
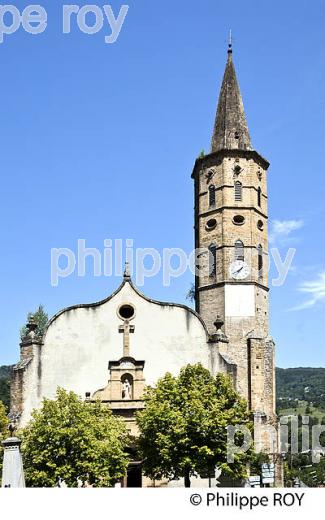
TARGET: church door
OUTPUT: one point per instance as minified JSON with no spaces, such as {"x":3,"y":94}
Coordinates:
{"x":134,"y":478}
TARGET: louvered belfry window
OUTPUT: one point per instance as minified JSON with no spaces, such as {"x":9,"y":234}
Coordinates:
{"x":212,"y":260}
{"x":259,"y":197}
{"x":212,"y":196}
{"x":238,"y":191}
{"x":260,"y":261}
{"x":239,"y":250}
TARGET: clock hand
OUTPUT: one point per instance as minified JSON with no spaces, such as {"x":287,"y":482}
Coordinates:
{"x":236,"y":272}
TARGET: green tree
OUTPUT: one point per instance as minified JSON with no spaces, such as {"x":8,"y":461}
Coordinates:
{"x":308,"y":410}
{"x":256,"y":462}
{"x":183,"y":426}
{"x":3,"y":431}
{"x":301,"y":466}
{"x":41,"y":319}
{"x":70,"y":439}
{"x":191,"y":293}
{"x":5,"y":385}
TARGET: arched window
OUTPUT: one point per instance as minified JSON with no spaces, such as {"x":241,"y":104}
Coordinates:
{"x":260,"y":261}
{"x":259,"y":197}
{"x":212,"y":260}
{"x":238,"y":191}
{"x":239,"y":250}
{"x":212,"y":196}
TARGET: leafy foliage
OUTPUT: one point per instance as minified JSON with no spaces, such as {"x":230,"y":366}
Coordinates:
{"x":5,"y":385}
{"x":41,"y":319}
{"x":183,"y":426}
{"x":70,"y":439}
{"x":3,"y":431}
{"x":256,"y":463}
{"x":190,"y":296}
{"x":300,"y":466}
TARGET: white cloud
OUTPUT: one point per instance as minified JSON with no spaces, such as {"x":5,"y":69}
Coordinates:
{"x":283,"y":228}
{"x":316,"y":291}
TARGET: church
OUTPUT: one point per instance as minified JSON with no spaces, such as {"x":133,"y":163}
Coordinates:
{"x":110,"y":350}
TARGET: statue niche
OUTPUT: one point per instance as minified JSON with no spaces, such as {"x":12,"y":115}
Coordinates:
{"x":127,"y":387}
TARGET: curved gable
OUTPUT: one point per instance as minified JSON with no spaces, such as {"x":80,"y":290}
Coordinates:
{"x":81,"y":340}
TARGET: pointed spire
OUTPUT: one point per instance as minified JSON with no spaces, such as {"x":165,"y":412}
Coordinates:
{"x":230,"y":129}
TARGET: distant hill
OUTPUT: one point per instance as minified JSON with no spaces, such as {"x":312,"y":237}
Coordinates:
{"x":4,"y":385}
{"x":303,"y":384}
{"x":4,"y":371}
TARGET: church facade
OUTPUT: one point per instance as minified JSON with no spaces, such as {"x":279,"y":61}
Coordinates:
{"x":112,"y":349}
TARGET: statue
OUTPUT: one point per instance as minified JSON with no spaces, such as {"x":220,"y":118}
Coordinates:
{"x":126,"y":392}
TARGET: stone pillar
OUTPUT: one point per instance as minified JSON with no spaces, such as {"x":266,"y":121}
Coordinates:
{"x":28,"y":346}
{"x":279,"y":472}
{"x":261,"y":374}
{"x":219,"y":343}
{"x":12,"y":471}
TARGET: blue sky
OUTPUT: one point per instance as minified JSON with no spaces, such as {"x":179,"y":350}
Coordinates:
{"x":98,"y":142}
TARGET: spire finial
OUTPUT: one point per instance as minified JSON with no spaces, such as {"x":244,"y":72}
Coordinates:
{"x":31,"y":327}
{"x":218,"y":323}
{"x":230,"y":42}
{"x":127,"y":275}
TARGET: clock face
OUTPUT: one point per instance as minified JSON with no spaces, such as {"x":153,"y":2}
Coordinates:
{"x":239,"y":270}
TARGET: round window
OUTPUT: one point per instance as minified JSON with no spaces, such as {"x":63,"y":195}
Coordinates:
{"x":260,"y":225}
{"x":239,"y":220}
{"x":211,"y":224}
{"x":126,"y":312}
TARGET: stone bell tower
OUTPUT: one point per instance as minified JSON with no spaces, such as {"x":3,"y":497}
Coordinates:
{"x":231,"y":233}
